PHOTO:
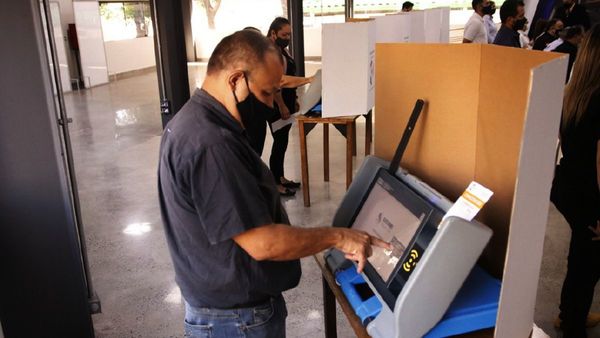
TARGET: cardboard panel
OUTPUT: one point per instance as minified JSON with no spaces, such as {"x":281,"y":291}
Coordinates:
{"x":417,"y":26}
{"x":393,"y":28}
{"x":504,"y":89}
{"x":444,"y":155}
{"x":437,"y":25}
{"x":348,"y":68}
{"x":531,"y":201}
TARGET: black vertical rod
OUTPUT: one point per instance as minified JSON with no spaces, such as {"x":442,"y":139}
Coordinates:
{"x":296,"y":17}
{"x":171,"y":56}
{"x":349,"y":9}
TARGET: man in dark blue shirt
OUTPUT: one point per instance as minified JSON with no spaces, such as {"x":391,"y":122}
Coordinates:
{"x":512,"y":15}
{"x":233,"y":250}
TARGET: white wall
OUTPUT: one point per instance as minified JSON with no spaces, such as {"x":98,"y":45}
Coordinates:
{"x":67,"y":17}
{"x":91,"y":42}
{"x":127,"y":55}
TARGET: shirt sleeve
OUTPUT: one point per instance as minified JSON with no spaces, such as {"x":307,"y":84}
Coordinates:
{"x":226,"y":193}
{"x":471,"y":29}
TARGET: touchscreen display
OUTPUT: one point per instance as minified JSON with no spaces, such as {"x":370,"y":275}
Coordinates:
{"x":383,"y":215}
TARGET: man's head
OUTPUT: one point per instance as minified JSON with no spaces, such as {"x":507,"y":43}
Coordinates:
{"x":554,"y":27}
{"x":280,"y":32}
{"x":480,"y":6}
{"x":407,"y":6}
{"x":242,"y":63}
{"x":572,"y":34}
{"x":512,"y":13}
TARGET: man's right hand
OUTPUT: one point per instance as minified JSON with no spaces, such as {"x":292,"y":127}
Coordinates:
{"x":356,"y":246}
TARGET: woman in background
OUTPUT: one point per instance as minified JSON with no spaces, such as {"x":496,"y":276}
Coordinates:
{"x":575,"y":189}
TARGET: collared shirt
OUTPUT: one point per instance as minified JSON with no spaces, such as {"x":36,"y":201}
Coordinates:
{"x":212,"y":187}
{"x":490,"y":27}
{"x":507,"y":37}
{"x":475,"y":30}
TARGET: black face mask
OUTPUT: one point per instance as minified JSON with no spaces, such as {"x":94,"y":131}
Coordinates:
{"x":252,"y":110}
{"x":283,"y":43}
{"x":489,"y":10}
{"x":520,"y":24}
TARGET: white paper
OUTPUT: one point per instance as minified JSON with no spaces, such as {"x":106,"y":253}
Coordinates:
{"x":470,"y":202}
{"x":309,"y":98}
{"x":306,"y":99}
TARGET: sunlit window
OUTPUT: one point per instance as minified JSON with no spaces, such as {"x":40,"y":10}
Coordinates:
{"x":125,"y":20}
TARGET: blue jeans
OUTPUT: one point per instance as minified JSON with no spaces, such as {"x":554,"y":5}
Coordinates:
{"x":264,"y":321}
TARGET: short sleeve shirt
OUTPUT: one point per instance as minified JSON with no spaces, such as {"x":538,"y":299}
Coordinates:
{"x":212,"y":187}
{"x":475,"y":30}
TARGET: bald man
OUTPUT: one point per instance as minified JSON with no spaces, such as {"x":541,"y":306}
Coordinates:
{"x":233,"y":249}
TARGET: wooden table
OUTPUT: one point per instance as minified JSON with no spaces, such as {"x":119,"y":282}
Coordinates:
{"x":333,"y":292}
{"x":350,"y":123}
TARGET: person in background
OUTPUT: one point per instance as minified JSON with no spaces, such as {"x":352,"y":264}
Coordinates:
{"x":488,"y":20}
{"x":523,"y":38}
{"x":571,"y":38}
{"x":551,"y":32}
{"x":512,"y":15}
{"x":229,"y":237}
{"x":572,"y":14}
{"x":576,"y":188}
{"x":407,"y":6}
{"x":475,"y":31}
{"x":280,"y":33}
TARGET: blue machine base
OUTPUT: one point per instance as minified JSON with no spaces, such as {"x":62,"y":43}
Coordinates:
{"x":474,"y":308}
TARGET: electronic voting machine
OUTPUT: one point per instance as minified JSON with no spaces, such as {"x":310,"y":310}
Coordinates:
{"x":428,"y":284}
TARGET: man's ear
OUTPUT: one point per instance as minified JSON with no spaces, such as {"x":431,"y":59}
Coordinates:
{"x":234,"y":78}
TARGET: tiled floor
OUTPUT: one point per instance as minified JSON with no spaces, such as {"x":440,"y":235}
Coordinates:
{"x":116,"y":134}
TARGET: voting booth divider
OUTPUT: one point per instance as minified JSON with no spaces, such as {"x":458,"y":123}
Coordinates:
{"x":348,"y":54}
{"x":492,"y":116}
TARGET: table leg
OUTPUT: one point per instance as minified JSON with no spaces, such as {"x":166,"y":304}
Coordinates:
{"x":326,"y":152}
{"x":354,"y":137}
{"x":304,"y":164}
{"x":329,"y":311}
{"x":349,"y":143}
{"x":368,"y":132}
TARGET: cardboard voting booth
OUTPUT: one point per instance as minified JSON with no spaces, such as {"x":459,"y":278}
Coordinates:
{"x":492,"y":116}
{"x":348,"y":54}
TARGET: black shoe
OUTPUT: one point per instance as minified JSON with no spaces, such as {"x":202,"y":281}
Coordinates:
{"x":291,"y":185}
{"x":287,"y":193}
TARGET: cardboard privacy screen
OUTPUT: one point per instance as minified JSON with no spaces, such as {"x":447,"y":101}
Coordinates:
{"x":492,"y":116}
{"x":348,"y":54}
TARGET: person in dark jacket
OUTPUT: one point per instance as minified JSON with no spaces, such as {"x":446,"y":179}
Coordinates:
{"x":551,"y":32}
{"x":576,"y":188}
{"x":572,"y":14}
{"x":571,"y":39}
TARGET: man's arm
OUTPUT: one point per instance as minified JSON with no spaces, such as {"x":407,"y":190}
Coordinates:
{"x":279,"y":242}
{"x":283,"y":109}
{"x":288,"y":81}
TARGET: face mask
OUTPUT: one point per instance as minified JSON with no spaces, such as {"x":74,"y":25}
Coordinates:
{"x":488,"y":10}
{"x":283,"y":43}
{"x":520,"y":24}
{"x":252,"y":109}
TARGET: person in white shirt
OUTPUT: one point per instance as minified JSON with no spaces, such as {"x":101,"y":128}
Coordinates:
{"x":475,"y":31}
{"x":488,"y":20}
{"x":523,"y":38}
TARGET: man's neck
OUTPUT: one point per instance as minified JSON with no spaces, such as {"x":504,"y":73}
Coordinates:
{"x":212,"y":86}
